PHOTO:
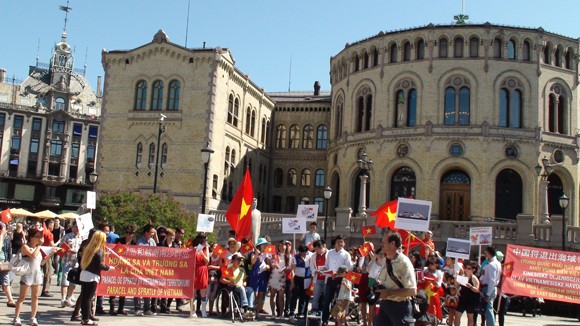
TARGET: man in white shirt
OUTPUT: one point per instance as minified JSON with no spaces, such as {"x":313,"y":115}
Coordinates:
{"x":336,"y":257}
{"x":489,"y":280}
{"x":312,"y":235}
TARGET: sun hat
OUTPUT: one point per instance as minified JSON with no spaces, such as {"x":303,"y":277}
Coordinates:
{"x":261,"y":241}
{"x":237,"y":255}
{"x":499,"y":255}
{"x":237,"y":245}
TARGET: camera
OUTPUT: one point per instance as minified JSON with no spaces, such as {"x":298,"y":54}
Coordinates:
{"x":374,"y":296}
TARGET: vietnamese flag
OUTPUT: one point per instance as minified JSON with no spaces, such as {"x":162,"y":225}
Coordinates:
{"x":386,"y":214}
{"x":353,"y":277}
{"x":310,"y":290}
{"x":239,"y":213}
{"x":365,"y":249}
{"x":220,"y":251}
{"x":409,"y":240}
{"x":227,"y":272}
{"x":368,"y":230}
{"x":310,"y":246}
{"x":247,"y":247}
{"x":64,"y":248}
{"x":271,"y":249}
{"x":508,"y":269}
{"x":119,"y":249}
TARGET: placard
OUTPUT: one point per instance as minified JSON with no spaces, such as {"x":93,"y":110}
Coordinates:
{"x":413,"y":214}
{"x":91,"y":200}
{"x":85,"y":224}
{"x":480,"y":235}
{"x":458,"y":248}
{"x":309,"y":212}
{"x":294,"y":225}
{"x":205,"y":223}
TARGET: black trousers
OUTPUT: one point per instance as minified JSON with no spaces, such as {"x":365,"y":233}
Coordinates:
{"x":393,"y":313}
{"x":330,"y":290}
{"x":88,"y":290}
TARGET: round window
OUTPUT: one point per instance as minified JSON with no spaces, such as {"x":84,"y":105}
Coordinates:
{"x":511,"y":152}
{"x":558,"y":156}
{"x":456,"y":150}
{"x":403,"y":150}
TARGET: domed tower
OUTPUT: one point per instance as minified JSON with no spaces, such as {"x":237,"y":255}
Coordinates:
{"x":61,"y":70}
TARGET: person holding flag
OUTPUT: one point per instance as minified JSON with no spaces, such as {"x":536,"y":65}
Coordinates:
{"x":468,"y":295}
{"x":345,"y":295}
{"x":317,"y":263}
{"x":257,"y":282}
{"x":239,"y":213}
{"x":5,"y":255}
{"x":336,"y":257}
{"x":69,"y":247}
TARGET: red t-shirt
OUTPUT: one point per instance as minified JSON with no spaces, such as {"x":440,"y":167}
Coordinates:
{"x":320,"y":261}
{"x":48,"y":237}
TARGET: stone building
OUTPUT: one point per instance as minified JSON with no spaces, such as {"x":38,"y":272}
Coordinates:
{"x":49,"y":129}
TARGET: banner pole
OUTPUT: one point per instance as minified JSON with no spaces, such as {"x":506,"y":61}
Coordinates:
{"x":479,"y":257}
{"x":294,"y":241}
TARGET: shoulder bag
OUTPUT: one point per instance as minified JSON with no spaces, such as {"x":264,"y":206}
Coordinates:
{"x":19,"y":265}
{"x":414,"y":306}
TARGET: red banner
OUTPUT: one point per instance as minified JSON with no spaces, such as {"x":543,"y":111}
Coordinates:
{"x":144,"y":272}
{"x":542,"y":273}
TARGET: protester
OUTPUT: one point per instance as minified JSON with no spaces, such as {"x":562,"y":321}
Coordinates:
{"x":76,"y":316}
{"x":277,"y":282}
{"x":312,"y":235}
{"x":361,"y":266}
{"x":71,"y":240}
{"x":201,"y":271}
{"x":428,"y":245}
{"x":344,"y":296}
{"x":148,"y":239}
{"x":236,"y":281}
{"x":112,"y":236}
{"x":300,"y":281}
{"x":47,"y":267}
{"x":214,"y":273}
{"x":257,"y":283}
{"x":490,"y":278}
{"x":17,"y":238}
{"x":468,"y":295}
{"x":33,"y":278}
{"x":288,"y":276}
{"x":5,"y":255}
{"x":92,"y":263}
{"x":398,"y":279}
{"x":179,"y":234}
{"x":336,"y":257}
{"x":374,"y":268}
{"x":317,"y":263}
{"x":103,"y":227}
{"x":128,"y":239}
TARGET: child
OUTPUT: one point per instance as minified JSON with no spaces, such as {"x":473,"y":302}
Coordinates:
{"x":344,"y":297}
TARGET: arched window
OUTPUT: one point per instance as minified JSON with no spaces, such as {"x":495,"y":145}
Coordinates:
{"x":322,"y":137}
{"x":59,"y":104}
{"x":511,"y":50}
{"x":558,"y":113}
{"x":231,"y":109}
{"x":405,"y":104}
{"x":292,"y":177}
{"x":338,"y":117}
{"x":278,"y":177}
{"x":558,"y":57}
{"x":157,"y":96}
{"x":308,"y":137}
{"x":497,"y":44}
{"x":356,"y":60}
{"x":569,"y":56}
{"x":139,"y":156}
{"x":375,"y":57}
{"x":267,"y":142}
{"x":457,"y":102}
{"x":236,"y":111}
{"x":164,"y":151}
{"x":294,"y":137}
{"x":214,"y":186}
{"x":364,"y":109}
{"x":141,"y":95}
{"x":173,"y":98}
{"x":508,"y":194}
{"x":253,"y":124}
{"x":248,"y":118}
{"x":407,"y":51}
{"x":281,"y":136}
{"x":263,"y":131}
{"x":420,"y":50}
{"x":319,"y":178}
{"x":403,"y":183}
{"x":365,"y":60}
{"x":233,"y":161}
{"x":443,"y":48}
{"x":305,"y":178}
{"x":474,"y":47}
{"x":510,"y":104}
{"x":458,"y":47}
{"x":151,"y":155}
{"x":393,"y":53}
{"x":548,"y":53}
{"x":526,"y":51}
{"x":227,"y":162}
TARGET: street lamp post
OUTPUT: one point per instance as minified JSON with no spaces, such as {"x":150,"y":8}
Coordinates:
{"x":564,"y":204}
{"x":327,"y":195}
{"x":365,"y":164}
{"x":205,"y":156}
{"x":159,"y":132}
{"x":544,"y":171}
{"x":93,"y":176}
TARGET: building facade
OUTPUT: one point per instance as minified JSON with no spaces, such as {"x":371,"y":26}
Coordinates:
{"x":49,"y":127}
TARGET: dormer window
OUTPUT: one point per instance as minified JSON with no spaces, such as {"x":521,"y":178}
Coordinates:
{"x":59,"y":104}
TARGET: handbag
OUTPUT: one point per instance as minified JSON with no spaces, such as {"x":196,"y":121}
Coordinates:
{"x":5,"y":266}
{"x":74,"y":275}
{"x":20,"y":265}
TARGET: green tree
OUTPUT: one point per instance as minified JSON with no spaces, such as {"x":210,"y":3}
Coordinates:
{"x":123,"y":207}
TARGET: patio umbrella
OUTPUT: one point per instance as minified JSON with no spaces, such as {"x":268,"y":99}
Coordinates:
{"x":68,"y":215}
{"x":45,"y":214}
{"x":20,"y":212}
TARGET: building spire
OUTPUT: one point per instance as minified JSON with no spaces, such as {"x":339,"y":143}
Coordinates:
{"x":462,"y":18}
{"x":66,"y":9}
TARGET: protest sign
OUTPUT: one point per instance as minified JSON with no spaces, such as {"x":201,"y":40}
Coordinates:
{"x":542,"y":273}
{"x":458,"y":248}
{"x":413,"y":214}
{"x":481,"y":235}
{"x":205,"y":223}
{"x":309,"y":212}
{"x":85,"y":224}
{"x":148,"y":272}
{"x":294,"y":225}
{"x":91,"y":200}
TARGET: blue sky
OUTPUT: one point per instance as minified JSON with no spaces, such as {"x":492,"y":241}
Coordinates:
{"x":263,"y":35}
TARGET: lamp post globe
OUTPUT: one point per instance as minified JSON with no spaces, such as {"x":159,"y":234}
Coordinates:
{"x":327,"y":195}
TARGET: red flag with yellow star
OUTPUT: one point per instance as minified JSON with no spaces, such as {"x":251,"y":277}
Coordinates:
{"x":270,"y":249}
{"x":227,"y":272}
{"x":246,"y":247}
{"x":220,"y":251}
{"x":310,"y":290}
{"x":508,"y":269}
{"x":353,"y":277}
{"x":365,"y":249}
{"x":369,"y":230}
{"x":386,"y":214}
{"x":239,"y":214}
{"x":119,"y":249}
{"x":64,"y":248}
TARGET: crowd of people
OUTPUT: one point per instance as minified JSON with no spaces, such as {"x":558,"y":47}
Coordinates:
{"x":311,"y":280}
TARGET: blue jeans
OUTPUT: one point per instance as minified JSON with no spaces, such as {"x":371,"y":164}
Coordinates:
{"x":318,"y":293}
{"x":489,"y":313}
{"x":241,"y":292}
{"x":251,"y":295}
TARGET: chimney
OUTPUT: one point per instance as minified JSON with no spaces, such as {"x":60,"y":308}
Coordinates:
{"x":316,"y":88}
{"x":2,"y":75}
{"x":98,"y":86}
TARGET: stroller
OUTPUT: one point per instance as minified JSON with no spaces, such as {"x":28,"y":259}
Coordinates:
{"x":422,"y":317}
